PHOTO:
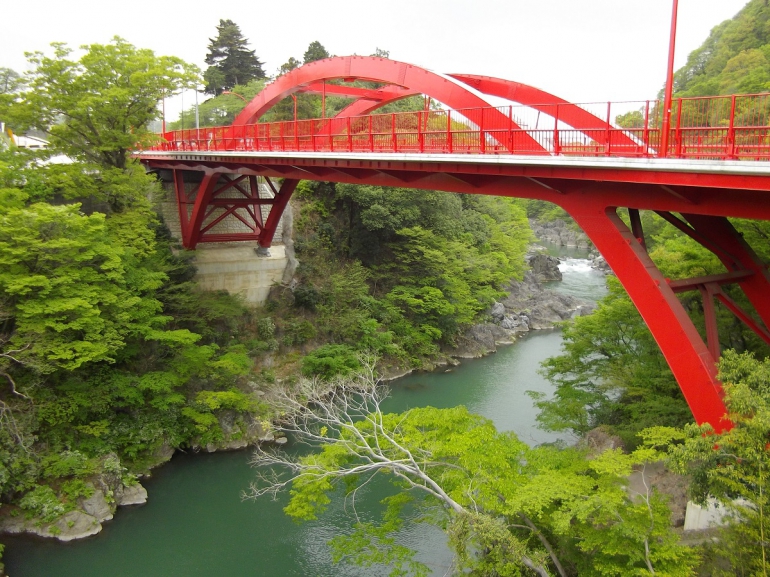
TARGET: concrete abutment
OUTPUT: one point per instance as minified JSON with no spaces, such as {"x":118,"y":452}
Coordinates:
{"x":236,"y":267}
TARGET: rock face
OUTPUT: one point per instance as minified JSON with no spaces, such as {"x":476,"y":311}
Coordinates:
{"x":601,"y":265}
{"x":544,"y":267}
{"x":96,"y":506}
{"x":598,"y":440}
{"x":528,"y":306}
{"x":240,"y":431}
{"x":664,"y":481}
{"x":131,"y":495}
{"x":557,"y":232}
{"x":87,"y":519}
{"x":70,"y":526}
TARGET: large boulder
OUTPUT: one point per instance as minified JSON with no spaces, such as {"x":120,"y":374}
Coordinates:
{"x":97,"y":506}
{"x":70,"y":526}
{"x":600,"y":264}
{"x":545,"y":267}
{"x":131,"y":495}
{"x":540,"y":308}
{"x":480,"y":340}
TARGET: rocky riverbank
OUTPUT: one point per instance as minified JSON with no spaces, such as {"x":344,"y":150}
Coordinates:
{"x":99,"y":497}
{"x":527,"y":307}
{"x":94,"y":503}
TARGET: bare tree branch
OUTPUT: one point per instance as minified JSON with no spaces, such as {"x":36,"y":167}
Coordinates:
{"x":347,"y":413}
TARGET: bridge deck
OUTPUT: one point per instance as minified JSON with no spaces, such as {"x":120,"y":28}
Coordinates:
{"x":425,"y":170}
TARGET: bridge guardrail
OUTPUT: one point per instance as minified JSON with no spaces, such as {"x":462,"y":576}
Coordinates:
{"x":715,"y":127}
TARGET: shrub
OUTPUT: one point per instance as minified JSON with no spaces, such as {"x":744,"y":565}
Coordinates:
{"x":42,"y":502}
{"x":68,"y":464}
{"x":329,"y":361}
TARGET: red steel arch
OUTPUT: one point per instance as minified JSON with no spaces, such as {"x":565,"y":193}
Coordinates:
{"x":544,"y":102}
{"x":408,"y":76}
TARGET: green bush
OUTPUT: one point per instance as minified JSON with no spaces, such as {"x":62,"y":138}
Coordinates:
{"x":329,"y":361}
{"x":306,"y":297}
{"x":76,"y":488}
{"x":299,"y":332}
{"x":68,"y":464}
{"x":43,"y":503}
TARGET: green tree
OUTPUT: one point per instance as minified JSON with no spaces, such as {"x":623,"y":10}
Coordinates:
{"x":219,"y":110}
{"x":734,"y":466}
{"x":509,"y":509}
{"x":315,"y":51}
{"x":632,"y":119}
{"x":10,"y":81}
{"x":97,"y":355}
{"x":97,"y":108}
{"x":289,"y":65}
{"x":611,"y":372}
{"x":85,"y":311}
{"x":229,"y":59}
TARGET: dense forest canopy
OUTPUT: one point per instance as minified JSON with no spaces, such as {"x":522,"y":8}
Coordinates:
{"x":735,"y":58}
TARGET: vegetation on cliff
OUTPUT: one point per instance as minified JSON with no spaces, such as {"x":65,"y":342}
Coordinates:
{"x":735,"y":58}
{"x":107,"y":350}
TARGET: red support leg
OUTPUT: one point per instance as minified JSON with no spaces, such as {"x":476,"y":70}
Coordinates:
{"x":256,"y":207}
{"x":205,"y":192}
{"x":710,"y":319}
{"x":691,"y":362}
{"x":279,"y":205}
{"x":182,"y":200}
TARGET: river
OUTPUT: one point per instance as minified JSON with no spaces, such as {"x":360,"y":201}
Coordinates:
{"x":195,"y":523}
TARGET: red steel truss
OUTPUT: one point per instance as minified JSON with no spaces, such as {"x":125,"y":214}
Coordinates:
{"x":539,"y":147}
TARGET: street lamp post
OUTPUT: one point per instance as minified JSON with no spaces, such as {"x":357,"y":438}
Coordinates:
{"x":666,"y":127}
{"x":197,"y":116}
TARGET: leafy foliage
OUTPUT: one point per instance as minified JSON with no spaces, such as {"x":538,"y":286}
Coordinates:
{"x":507,"y":507}
{"x":733,"y":466}
{"x":330,"y":361}
{"x":733,"y":59}
{"x":97,"y":108}
{"x":400,"y":272}
{"x":107,"y":350}
{"x":611,"y":372}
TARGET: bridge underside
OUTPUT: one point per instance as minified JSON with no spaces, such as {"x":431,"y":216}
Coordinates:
{"x":698,"y":203}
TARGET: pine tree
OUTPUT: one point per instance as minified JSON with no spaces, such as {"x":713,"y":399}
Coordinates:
{"x":230,"y":61}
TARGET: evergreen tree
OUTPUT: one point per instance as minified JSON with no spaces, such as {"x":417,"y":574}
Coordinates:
{"x":315,"y":51}
{"x":230,"y":61}
{"x":289,"y":65}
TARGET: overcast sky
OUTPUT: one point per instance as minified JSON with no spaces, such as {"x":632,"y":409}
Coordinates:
{"x":581,"y":50}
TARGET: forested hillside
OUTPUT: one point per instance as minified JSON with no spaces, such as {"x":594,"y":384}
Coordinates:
{"x":735,"y":58}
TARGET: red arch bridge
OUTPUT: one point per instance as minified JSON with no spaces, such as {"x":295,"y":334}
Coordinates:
{"x":713,"y":164}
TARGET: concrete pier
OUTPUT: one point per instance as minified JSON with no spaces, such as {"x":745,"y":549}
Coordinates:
{"x":236,"y":268}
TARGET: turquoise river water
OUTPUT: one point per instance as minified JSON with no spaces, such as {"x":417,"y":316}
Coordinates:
{"x":195,"y":523}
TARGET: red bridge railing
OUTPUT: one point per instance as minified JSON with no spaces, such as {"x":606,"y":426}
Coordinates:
{"x":717,"y":128}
